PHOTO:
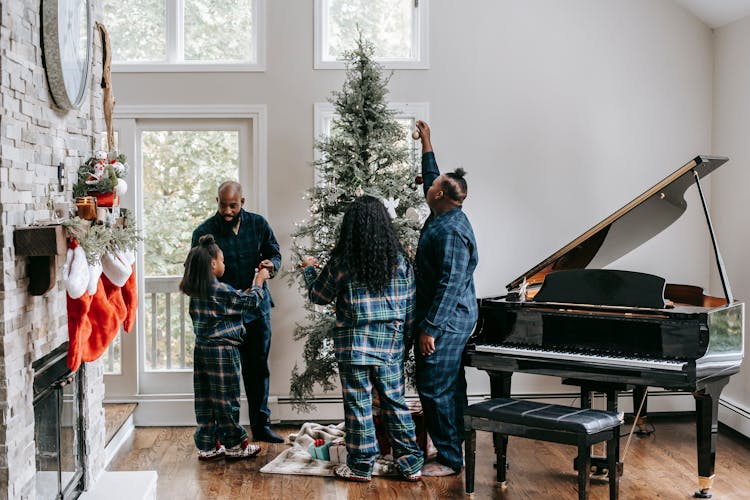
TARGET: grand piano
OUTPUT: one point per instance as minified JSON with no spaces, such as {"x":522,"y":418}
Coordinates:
{"x":612,"y":330}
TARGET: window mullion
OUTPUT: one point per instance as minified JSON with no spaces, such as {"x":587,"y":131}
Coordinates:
{"x":175,"y":31}
{"x":416,"y":29}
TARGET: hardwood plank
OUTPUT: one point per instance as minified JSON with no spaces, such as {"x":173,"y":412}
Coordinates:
{"x":659,"y":466}
{"x":115,"y":414}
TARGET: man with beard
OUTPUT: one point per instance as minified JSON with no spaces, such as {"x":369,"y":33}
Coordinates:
{"x":247,"y":241}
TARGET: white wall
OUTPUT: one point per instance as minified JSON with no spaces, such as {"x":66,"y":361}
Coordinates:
{"x":561,"y":112}
{"x":731,"y":206}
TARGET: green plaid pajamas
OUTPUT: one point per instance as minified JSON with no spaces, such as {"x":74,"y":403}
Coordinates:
{"x":369,"y":346}
{"x":216,"y":381}
{"x":357,"y":383}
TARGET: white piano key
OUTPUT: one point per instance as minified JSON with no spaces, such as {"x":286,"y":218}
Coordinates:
{"x":662,"y":364}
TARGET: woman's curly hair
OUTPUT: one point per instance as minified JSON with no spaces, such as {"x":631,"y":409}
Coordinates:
{"x":368,"y":247}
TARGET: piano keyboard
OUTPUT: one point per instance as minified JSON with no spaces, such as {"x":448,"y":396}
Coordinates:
{"x":602,"y":359}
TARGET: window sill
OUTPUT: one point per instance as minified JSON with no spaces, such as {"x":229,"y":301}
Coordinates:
{"x":188,"y":68}
{"x":406,"y":64}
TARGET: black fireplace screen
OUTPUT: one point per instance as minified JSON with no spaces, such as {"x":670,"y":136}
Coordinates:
{"x":58,"y":427}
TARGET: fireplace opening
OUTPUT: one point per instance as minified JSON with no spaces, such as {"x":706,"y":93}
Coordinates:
{"x":58,"y":427}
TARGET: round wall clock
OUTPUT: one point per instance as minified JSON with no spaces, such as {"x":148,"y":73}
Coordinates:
{"x":66,"y":39}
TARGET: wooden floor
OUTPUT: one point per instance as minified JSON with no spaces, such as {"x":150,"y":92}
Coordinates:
{"x":659,"y":466}
{"x":115,"y":415}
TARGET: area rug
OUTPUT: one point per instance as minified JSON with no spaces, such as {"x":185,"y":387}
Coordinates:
{"x":297,"y":459}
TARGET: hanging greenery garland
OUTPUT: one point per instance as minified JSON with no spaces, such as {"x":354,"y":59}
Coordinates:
{"x":98,"y":239}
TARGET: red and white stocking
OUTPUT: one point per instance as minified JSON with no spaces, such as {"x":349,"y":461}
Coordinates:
{"x":75,"y":278}
{"x":130,"y":297}
{"x":104,"y":324}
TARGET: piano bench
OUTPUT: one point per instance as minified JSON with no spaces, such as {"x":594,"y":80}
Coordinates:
{"x":555,"y":423}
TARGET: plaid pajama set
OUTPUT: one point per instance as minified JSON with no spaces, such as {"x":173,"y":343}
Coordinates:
{"x":447,"y":311}
{"x":243,"y":251}
{"x":369,"y":345}
{"x":218,"y":325}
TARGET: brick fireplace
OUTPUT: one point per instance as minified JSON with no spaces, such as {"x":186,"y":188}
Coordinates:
{"x":35,"y":138}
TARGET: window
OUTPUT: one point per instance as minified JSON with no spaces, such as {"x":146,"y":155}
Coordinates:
{"x":397,"y":29}
{"x":186,"y":35}
{"x":181,"y":171}
{"x":177,"y":156}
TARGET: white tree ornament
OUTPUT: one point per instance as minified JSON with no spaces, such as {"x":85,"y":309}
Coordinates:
{"x":391,"y":204}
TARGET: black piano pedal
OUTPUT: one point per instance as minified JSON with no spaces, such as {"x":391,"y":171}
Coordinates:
{"x":599,"y":466}
{"x":599,"y":472}
{"x":643,"y":427}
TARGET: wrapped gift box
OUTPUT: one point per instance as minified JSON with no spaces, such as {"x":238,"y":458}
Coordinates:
{"x":320,"y":452}
{"x":337,"y":451}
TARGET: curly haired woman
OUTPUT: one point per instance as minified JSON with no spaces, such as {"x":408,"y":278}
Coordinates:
{"x":372,"y":282}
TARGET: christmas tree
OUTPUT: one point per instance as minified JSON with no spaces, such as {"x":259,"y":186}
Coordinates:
{"x":366,"y":152}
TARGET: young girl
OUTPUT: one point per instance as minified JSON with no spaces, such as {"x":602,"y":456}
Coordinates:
{"x":218,"y":312}
{"x":372,"y":283}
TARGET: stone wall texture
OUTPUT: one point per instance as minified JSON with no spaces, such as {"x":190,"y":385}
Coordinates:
{"x":36,"y":136}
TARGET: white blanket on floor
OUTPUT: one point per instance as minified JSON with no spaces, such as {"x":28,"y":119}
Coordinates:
{"x":297,"y":459}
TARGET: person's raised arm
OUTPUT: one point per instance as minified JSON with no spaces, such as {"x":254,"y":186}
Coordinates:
{"x":430,"y":170}
{"x":424,"y":136}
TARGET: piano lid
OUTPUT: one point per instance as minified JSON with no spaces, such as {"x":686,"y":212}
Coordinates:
{"x":629,"y":227}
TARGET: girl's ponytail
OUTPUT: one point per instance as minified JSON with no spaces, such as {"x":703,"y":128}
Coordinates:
{"x":199,"y":275}
{"x":206,"y":240}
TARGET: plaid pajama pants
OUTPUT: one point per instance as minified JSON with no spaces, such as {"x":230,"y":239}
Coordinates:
{"x":216,"y":382}
{"x":442,"y":390}
{"x":357,"y":383}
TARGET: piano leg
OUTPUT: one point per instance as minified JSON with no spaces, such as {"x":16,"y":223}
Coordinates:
{"x":500,"y":384}
{"x":706,"y":426}
{"x":586,"y":397}
{"x":612,"y":391}
{"x":500,"y":388}
{"x":501,"y":457}
{"x":640,"y":397}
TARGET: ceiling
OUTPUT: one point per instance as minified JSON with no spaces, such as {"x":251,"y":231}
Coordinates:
{"x":717,"y":13}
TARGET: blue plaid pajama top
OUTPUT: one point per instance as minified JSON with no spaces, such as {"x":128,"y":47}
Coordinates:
{"x":370,"y":328}
{"x":219,"y":319}
{"x":445,"y":263}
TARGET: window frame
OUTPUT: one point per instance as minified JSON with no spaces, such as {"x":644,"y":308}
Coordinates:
{"x":420,"y":37}
{"x":325,"y":112}
{"x":175,"y":31}
{"x":166,"y":389}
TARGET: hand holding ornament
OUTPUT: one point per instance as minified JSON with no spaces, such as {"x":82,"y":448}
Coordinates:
{"x":424,"y":133}
{"x":261,"y":275}
{"x":308,"y":261}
